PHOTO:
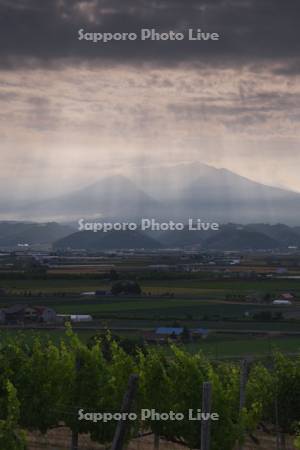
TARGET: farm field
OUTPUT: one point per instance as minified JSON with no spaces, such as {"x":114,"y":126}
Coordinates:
{"x":215,"y":346}
{"x":191,"y":287}
{"x":241,"y":320}
{"x":236,"y":327}
{"x":148,"y":307}
{"x":233,"y":347}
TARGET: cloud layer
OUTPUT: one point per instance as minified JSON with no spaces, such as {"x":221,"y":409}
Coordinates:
{"x":251,"y":31}
{"x":76,"y":111}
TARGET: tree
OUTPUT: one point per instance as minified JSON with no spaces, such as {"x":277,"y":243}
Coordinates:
{"x":11,"y":438}
{"x":107,"y":339}
{"x":43,"y":381}
{"x":155,"y":390}
{"x":113,"y":275}
{"x":174,"y":383}
{"x":259,"y":395}
{"x":297,"y":442}
{"x":96,"y":385}
{"x":190,"y":372}
{"x":126,"y":287}
{"x":276,"y":394}
{"x":286,"y":388}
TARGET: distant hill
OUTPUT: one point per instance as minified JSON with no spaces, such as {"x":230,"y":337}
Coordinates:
{"x":284,"y":235}
{"x":114,"y":196}
{"x":230,"y":238}
{"x":258,"y":236}
{"x":113,"y":240}
{"x":184,"y":238}
{"x":14,"y":233}
{"x":297,"y":230}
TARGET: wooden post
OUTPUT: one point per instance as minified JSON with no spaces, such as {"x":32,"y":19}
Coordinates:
{"x":156,"y":441}
{"x":74,"y":439}
{"x":282,"y":441}
{"x":280,"y":436}
{"x":277,"y":425}
{"x":243,"y":383}
{"x":74,"y":442}
{"x":206,"y":409}
{"x":120,"y":433}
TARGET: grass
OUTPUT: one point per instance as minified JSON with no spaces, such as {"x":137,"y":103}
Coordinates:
{"x":28,"y":336}
{"x":162,"y":307}
{"x":54,"y":285}
{"x":235,"y":347}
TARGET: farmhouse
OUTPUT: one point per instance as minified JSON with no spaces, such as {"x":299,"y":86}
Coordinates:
{"x":30,"y":314}
{"x":20,"y":314}
{"x":45,"y":314}
{"x":14,"y":314}
{"x":81,"y":318}
{"x":287,"y":296}
{"x":163,"y":334}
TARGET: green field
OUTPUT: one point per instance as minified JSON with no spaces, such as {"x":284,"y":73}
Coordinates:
{"x":191,"y":287}
{"x":228,"y":347}
{"x":215,"y":346}
{"x":212,"y":304}
{"x":154,"y":308}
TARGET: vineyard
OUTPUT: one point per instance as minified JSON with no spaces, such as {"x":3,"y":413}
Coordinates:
{"x":45,"y":385}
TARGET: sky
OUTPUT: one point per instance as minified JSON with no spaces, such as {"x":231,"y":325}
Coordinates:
{"x":74,"y":111}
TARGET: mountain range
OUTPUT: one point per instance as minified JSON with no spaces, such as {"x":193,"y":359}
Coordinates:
{"x":229,"y":237}
{"x":175,"y":192}
{"x":114,"y":196}
{"x":259,"y":236}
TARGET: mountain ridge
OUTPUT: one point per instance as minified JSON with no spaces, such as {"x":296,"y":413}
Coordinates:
{"x":208,"y":193}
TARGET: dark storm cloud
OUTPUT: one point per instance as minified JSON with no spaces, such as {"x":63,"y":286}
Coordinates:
{"x":237,"y":114}
{"x":8,"y":96}
{"x":251,"y":31}
{"x":261,"y":102}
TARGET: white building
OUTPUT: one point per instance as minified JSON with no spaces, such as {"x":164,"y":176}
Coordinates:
{"x":81,"y":318}
{"x":282,"y":302}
